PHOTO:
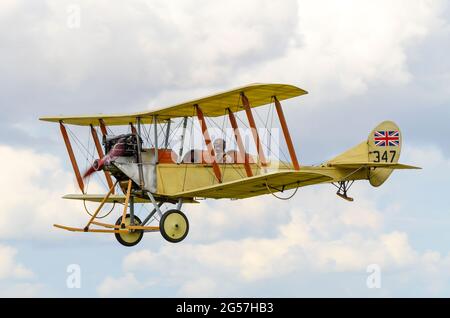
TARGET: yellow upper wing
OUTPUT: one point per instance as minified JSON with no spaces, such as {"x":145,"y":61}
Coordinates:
{"x":212,"y":106}
{"x":253,"y":186}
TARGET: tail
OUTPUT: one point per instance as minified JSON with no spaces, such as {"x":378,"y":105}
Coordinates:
{"x":379,"y":154}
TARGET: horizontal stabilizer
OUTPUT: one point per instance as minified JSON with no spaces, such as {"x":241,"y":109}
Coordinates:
{"x":356,"y":165}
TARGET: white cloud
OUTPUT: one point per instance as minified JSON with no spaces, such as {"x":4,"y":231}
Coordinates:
{"x":135,"y":52}
{"x":199,"y":287}
{"x":317,"y":234}
{"x":32,"y":187}
{"x":217,"y":219}
{"x":111,"y":287}
{"x":9,"y":268}
{"x":126,"y":53}
{"x":8,"y":7}
{"x":143,"y":48}
{"x":16,"y":280}
{"x":429,"y":157}
{"x":300,"y":244}
{"x":347,"y":45}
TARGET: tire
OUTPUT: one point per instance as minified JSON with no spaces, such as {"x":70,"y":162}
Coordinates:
{"x":132,"y":238}
{"x":174,"y":226}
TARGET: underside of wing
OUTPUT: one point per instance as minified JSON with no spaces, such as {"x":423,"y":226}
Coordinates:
{"x":259,"y":185}
{"x":212,"y":106}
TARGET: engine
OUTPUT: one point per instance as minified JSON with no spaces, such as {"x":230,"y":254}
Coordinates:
{"x":127,"y":144}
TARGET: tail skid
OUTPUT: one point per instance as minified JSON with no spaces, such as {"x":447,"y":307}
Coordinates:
{"x":343,"y":187}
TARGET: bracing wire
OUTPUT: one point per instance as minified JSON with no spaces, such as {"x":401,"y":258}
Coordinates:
{"x":173,"y":133}
{"x":234,"y":168}
{"x":261,"y":140}
{"x":281,"y":198}
{"x":99,"y":217}
{"x":285,"y":156}
{"x":86,"y":153}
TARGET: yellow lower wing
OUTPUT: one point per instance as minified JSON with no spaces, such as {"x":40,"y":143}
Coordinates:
{"x":254,"y":186}
{"x":114,"y":198}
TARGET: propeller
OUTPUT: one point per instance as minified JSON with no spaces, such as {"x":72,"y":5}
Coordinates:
{"x":116,"y":151}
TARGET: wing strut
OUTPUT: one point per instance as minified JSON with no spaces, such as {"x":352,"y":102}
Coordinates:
{"x":73,"y":160}
{"x":139,"y":151}
{"x":287,"y":136}
{"x":101,"y":155}
{"x":103,"y":127}
{"x":251,"y":121}
{"x":211,"y":151}
{"x":237,"y":136}
{"x":133,"y":129}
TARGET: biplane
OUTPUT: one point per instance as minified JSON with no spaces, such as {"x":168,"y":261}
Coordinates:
{"x":140,"y":165}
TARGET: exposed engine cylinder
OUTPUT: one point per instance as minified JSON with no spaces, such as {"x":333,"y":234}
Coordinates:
{"x":129,"y":147}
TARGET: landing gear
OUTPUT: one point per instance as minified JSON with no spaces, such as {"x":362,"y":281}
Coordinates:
{"x":132,"y":237}
{"x":343,"y":187}
{"x":174,"y":226}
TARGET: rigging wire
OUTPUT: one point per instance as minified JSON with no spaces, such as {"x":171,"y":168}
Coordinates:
{"x":99,"y":217}
{"x":281,"y":198}
{"x":221,"y":129}
{"x":262,"y":142}
{"x":233,"y":166}
{"x":88,"y":153}
{"x":83,"y":150}
{"x":173,"y":134}
{"x":278,"y":145}
{"x":201,"y":134}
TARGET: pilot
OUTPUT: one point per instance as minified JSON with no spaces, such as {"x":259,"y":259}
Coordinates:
{"x":199,"y":156}
{"x":219,"y":150}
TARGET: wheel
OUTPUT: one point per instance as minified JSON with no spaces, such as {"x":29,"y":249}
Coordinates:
{"x":130,"y":238}
{"x":174,"y":226}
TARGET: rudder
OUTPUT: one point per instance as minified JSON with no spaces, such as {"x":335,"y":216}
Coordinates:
{"x":384,"y":146}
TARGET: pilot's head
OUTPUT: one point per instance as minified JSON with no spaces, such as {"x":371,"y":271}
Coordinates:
{"x":219,"y":146}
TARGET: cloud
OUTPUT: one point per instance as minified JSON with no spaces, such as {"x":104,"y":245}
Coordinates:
{"x":429,"y":157}
{"x":9,"y":268}
{"x":8,"y":7}
{"x":16,"y":280}
{"x":33,"y":184}
{"x":302,"y":243}
{"x":125,"y":54}
{"x":347,"y":45}
{"x":138,"y":54}
{"x":299,"y":242}
{"x":199,"y":287}
{"x":110,"y":287}
{"x":143,"y":54}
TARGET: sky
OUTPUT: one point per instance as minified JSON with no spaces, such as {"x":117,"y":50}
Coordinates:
{"x":362,"y":62}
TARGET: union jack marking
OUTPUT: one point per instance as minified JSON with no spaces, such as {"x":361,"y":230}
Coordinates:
{"x":386,"y":138}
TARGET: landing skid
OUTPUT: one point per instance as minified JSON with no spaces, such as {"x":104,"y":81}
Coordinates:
{"x":343,"y":187}
{"x":129,"y":229}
